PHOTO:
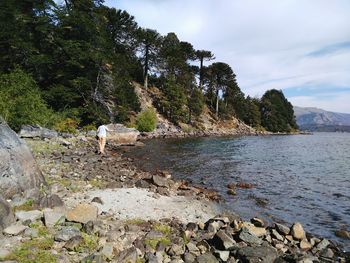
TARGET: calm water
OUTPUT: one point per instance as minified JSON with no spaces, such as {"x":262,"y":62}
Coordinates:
{"x":303,"y":178}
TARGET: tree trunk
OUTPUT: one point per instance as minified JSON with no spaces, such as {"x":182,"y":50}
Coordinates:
{"x":201,"y":74}
{"x":217,"y":102}
{"x":145,"y":83}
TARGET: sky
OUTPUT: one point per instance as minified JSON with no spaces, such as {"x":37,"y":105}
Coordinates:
{"x":297,"y":46}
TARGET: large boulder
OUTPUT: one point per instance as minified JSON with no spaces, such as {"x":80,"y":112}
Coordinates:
{"x":122,"y":135}
{"x":19,"y":173}
{"x":35,"y":131}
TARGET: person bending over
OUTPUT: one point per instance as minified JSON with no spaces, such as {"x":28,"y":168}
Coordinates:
{"x":102,"y":134}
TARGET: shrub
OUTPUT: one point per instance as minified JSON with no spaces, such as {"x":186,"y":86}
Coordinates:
{"x":21,"y":102}
{"x":146,"y":120}
{"x":67,"y":125}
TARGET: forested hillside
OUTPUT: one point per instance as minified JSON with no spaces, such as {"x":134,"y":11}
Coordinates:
{"x":73,"y":65}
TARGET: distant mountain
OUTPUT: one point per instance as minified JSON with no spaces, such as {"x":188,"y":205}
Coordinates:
{"x":314,"y":119}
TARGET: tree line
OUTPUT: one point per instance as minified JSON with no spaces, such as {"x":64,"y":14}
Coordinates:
{"x":77,"y":61}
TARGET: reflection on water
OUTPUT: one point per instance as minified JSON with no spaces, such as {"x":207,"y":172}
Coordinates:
{"x":303,"y":178}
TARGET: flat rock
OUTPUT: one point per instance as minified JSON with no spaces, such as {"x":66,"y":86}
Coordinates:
{"x":282,"y":229}
{"x":276,"y":235}
{"x":66,"y":233}
{"x":223,"y":255}
{"x":82,"y":213}
{"x":261,"y":254}
{"x":128,"y":255}
{"x":223,"y":241}
{"x":122,"y":135}
{"x":249,"y":238}
{"x":52,"y":217}
{"x":15,"y":229}
{"x":323,"y":244}
{"x":108,"y":251}
{"x":207,"y":258}
{"x":257,"y":231}
{"x":160,"y":181}
{"x":29,"y":215}
{"x":305,"y":245}
{"x":73,"y":243}
{"x":297,"y":231}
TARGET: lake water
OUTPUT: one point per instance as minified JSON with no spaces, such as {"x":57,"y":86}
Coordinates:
{"x":303,"y":178}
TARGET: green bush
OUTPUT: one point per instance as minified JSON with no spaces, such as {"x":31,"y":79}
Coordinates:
{"x":146,"y":120}
{"x":67,"y":125}
{"x":21,"y":102}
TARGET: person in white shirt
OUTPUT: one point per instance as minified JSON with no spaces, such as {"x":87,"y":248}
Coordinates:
{"x":102,"y":134}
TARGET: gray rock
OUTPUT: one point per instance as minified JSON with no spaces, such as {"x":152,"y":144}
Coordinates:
{"x":51,"y":201}
{"x":67,"y":233}
{"x":6,"y":215}
{"x":223,"y":255}
{"x":261,"y":254}
{"x":323,"y":244}
{"x":276,"y":235}
{"x":97,"y":199}
{"x":34,"y":131}
{"x":206,"y":258}
{"x":4,"y":253}
{"x":19,"y":172}
{"x":73,"y":243}
{"x":249,"y":238}
{"x":128,"y":255}
{"x":31,"y":232}
{"x":191,"y":247}
{"x":189,"y":257}
{"x":282,"y":229}
{"x":108,"y":251}
{"x":160,"y":181}
{"x":94,"y":258}
{"x":82,"y":213}
{"x":122,"y":135}
{"x":53,"y":217}
{"x":223,"y":241}
{"x":297,"y":231}
{"x":29,"y":215}
{"x":15,"y":229}
{"x":176,"y":250}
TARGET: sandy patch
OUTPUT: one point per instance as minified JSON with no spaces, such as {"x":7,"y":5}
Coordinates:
{"x":127,"y":203}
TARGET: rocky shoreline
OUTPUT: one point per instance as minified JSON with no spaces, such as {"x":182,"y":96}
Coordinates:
{"x":83,"y":224}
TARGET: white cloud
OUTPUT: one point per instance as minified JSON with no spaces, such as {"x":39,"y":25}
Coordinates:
{"x":265,"y":42}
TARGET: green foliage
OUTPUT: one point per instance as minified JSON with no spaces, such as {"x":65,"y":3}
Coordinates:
{"x":20,"y":101}
{"x":146,"y":120}
{"x":196,"y":102}
{"x":164,"y":229}
{"x":34,"y":251}
{"x":277,"y":114}
{"x":67,"y":125}
{"x":90,"y":243}
{"x":175,"y":102}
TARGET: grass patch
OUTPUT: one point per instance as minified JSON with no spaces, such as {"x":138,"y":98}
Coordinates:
{"x":98,"y":183}
{"x":90,"y":243}
{"x":42,"y":147}
{"x":164,"y":229}
{"x":153,"y":242}
{"x":26,"y":206}
{"x":42,"y":230}
{"x":34,"y":251}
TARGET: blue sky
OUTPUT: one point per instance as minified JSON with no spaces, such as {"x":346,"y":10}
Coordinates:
{"x":301,"y":47}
